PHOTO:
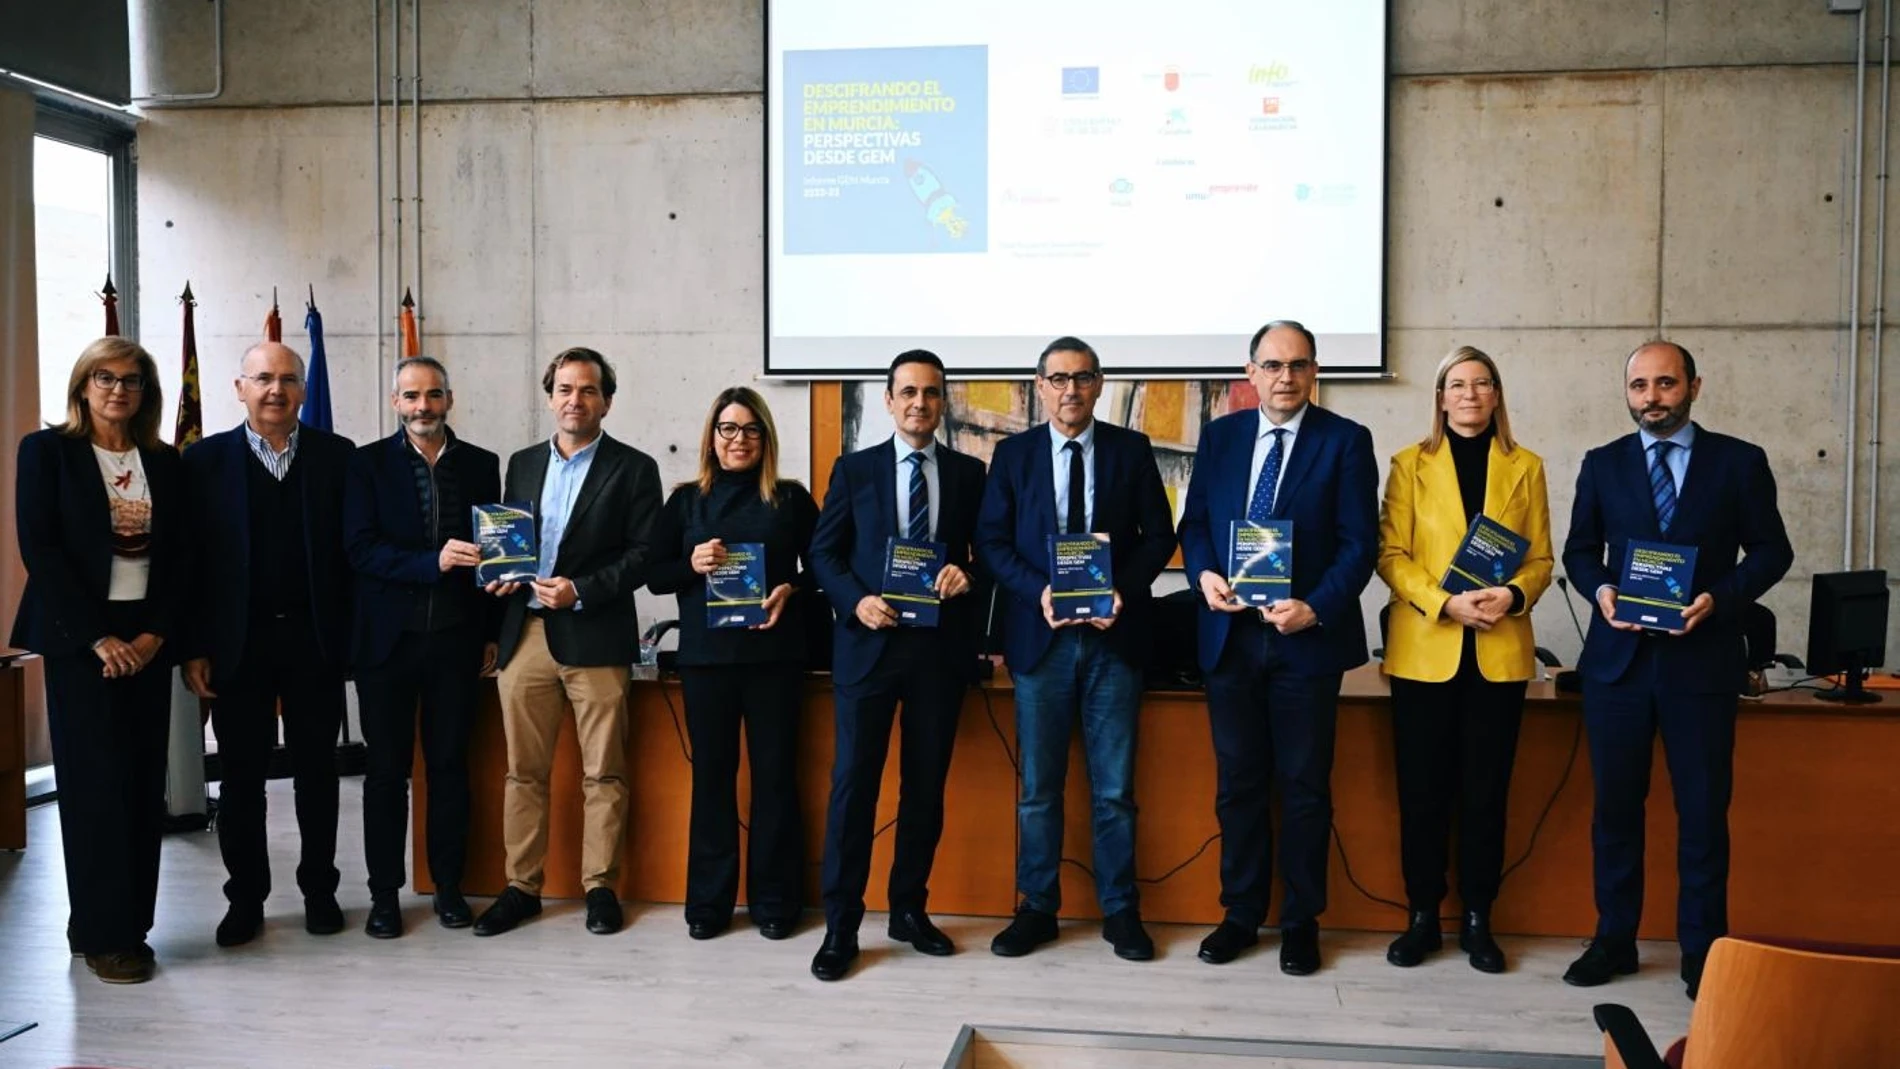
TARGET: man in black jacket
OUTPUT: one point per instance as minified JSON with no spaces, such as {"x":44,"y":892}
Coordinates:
{"x":573,"y":632}
{"x":424,"y":631}
{"x":271,"y":627}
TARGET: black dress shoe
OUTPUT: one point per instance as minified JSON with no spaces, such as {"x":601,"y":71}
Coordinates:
{"x":1031,"y":929}
{"x":1299,"y":949}
{"x":451,"y":909}
{"x":240,"y":925}
{"x":1225,"y":942}
{"x":834,"y":958}
{"x":1692,"y":965}
{"x":776,"y":928}
{"x":603,"y":911}
{"x":120,"y":967}
{"x":1474,"y":938}
{"x":1124,"y":932}
{"x":708,"y":928}
{"x":322,"y":915}
{"x":509,"y":910}
{"x":1420,"y":939}
{"x":1605,"y":960}
{"x":385,"y":918}
{"x":913,"y":926}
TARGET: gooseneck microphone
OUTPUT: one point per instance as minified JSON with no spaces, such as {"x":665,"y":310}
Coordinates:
{"x":1568,"y":681}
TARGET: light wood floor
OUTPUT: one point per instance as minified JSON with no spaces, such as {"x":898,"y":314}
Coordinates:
{"x":550,"y":994}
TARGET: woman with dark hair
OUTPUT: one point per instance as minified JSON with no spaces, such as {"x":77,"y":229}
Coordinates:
{"x":102,"y":534}
{"x":735,"y":676}
{"x":1458,"y":663}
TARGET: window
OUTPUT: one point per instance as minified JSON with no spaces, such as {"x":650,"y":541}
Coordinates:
{"x":82,"y":218}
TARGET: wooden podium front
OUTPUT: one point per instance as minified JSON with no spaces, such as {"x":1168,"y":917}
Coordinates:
{"x":12,"y":755}
{"x":1815,"y":821}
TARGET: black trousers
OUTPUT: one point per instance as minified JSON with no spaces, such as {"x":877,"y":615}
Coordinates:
{"x":109,"y":754}
{"x":912,"y":671}
{"x":281,"y":666}
{"x":441,"y":670}
{"x":1454,"y":744}
{"x":766,"y":700}
{"x":1273,"y":724}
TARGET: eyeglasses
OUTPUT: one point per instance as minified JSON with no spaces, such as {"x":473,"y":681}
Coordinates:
{"x":1082,"y":379}
{"x":1274,"y":367}
{"x":752,"y":431}
{"x":1477,"y":386}
{"x":108,"y":382}
{"x":263,"y":380}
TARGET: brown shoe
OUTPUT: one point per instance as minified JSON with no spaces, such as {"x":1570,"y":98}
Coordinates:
{"x":120,"y":967}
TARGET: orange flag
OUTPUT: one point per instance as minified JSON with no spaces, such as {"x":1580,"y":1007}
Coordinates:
{"x":111,"y":298}
{"x":411,"y":342}
{"x":273,"y":322}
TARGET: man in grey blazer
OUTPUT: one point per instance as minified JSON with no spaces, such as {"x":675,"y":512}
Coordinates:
{"x":572,"y":633}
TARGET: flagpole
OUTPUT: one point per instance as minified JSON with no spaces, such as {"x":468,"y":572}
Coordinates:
{"x":376,"y":91}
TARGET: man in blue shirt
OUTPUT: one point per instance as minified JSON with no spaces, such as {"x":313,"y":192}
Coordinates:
{"x":572,"y":633}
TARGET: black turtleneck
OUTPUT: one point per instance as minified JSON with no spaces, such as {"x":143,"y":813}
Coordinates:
{"x":1472,"y":457}
{"x":733,"y":512}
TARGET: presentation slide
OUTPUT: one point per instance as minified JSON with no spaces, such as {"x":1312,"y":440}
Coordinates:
{"x":1158,"y":179}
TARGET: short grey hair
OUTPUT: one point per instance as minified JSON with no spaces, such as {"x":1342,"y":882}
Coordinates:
{"x":302,"y":372}
{"x":408,"y":362}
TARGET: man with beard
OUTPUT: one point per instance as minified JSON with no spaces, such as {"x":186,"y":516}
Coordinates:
{"x":1672,"y":482}
{"x":423,"y":632}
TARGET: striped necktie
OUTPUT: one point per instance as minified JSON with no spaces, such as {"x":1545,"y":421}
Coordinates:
{"x":1662,"y":485}
{"x":919,"y":528}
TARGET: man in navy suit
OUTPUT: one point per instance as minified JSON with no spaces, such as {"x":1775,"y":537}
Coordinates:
{"x":912,"y":486}
{"x":1075,"y":475}
{"x":424,"y":632}
{"x":272,"y":627}
{"x":1273,"y":674}
{"x":1670,"y":482}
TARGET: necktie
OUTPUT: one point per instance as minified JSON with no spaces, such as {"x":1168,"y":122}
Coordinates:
{"x":1662,"y":485}
{"x":1260,"y":507}
{"x":919,"y":528}
{"x":1078,"y":518}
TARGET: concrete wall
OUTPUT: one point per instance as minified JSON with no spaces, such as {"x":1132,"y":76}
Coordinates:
{"x":1566,"y":180}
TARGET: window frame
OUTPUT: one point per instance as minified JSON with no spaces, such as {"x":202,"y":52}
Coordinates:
{"x":114,"y":134}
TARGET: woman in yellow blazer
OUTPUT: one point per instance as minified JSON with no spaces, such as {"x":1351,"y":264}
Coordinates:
{"x":1458,"y":664}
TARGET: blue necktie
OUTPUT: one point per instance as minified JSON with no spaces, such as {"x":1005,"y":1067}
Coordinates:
{"x":1260,"y":507}
{"x":1662,"y":485}
{"x":919,"y":529}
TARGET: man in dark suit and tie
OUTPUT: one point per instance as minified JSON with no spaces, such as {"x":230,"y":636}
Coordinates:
{"x":570,"y":637}
{"x":1075,"y":475}
{"x":272,"y":630}
{"x":1670,"y":482}
{"x":912,"y":486}
{"x":424,"y":632}
{"x":1273,"y":674}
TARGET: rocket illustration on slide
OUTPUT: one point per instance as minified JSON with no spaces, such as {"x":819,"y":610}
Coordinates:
{"x":940,"y":207}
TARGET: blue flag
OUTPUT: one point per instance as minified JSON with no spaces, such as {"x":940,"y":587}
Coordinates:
{"x":316,"y":398}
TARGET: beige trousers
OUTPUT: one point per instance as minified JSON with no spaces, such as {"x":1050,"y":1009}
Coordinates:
{"x":535,"y":691}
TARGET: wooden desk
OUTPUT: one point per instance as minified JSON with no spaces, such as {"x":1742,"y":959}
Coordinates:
{"x":1816,"y":842}
{"x":12,"y":753}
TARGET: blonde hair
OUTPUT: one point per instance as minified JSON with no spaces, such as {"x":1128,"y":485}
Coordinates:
{"x":1500,"y":418}
{"x":143,"y":425}
{"x":768,"y":442}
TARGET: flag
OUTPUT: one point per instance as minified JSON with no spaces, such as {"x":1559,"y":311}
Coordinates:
{"x":191,"y":418}
{"x":111,"y":298}
{"x":411,"y":343}
{"x":316,"y":398}
{"x":273,"y":323}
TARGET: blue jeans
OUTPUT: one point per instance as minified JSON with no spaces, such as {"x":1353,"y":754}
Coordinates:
{"x":1078,"y":675}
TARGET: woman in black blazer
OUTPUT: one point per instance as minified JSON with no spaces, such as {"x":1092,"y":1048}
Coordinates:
{"x":101,"y":532}
{"x":740,"y":675}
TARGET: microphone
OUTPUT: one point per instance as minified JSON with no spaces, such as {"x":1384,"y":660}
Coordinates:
{"x":1568,"y":681}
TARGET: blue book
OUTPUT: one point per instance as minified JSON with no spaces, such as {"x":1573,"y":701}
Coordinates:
{"x":1081,"y":577}
{"x":910,"y":580}
{"x":1655,"y":587}
{"x":1260,"y":561}
{"x":506,"y":534}
{"x":1489,"y":556}
{"x":735,"y":591}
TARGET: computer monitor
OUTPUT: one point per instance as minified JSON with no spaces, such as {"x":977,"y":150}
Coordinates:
{"x":1847,"y":630}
